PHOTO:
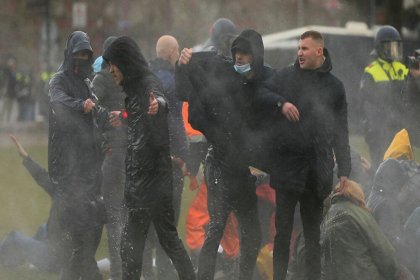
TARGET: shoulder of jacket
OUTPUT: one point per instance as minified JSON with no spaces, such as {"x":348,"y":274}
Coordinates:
{"x":372,"y":65}
{"x":59,"y":78}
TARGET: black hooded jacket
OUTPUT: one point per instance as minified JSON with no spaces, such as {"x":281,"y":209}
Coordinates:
{"x":72,"y":154}
{"x":308,"y":146}
{"x":220,"y":105}
{"x":148,"y":136}
{"x":73,"y":157}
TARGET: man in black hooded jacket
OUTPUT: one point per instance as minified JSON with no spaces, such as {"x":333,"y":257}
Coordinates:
{"x":305,"y":141}
{"x":76,"y":216}
{"x":222,"y":111}
{"x":148,"y":189}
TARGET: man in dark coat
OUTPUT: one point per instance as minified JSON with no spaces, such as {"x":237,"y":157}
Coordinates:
{"x":110,"y":96}
{"x":312,"y":131}
{"x":76,"y":217}
{"x":148,"y":189}
{"x":221,"y":110}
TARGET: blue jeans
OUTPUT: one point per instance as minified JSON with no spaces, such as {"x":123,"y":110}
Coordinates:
{"x":17,"y":249}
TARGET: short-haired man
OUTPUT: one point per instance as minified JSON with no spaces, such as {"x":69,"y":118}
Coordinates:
{"x":148,"y":188}
{"x":313,"y":130}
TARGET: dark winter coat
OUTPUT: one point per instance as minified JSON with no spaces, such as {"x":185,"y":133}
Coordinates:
{"x":307,"y":147}
{"x":393,"y":178}
{"x":178,"y":139}
{"x":111,"y":97}
{"x":73,"y":157}
{"x":389,"y":179}
{"x":353,"y":245}
{"x":148,"y":162}
{"x":220,"y":104}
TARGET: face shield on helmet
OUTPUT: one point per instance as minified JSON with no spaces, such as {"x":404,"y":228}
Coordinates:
{"x":391,"y":50}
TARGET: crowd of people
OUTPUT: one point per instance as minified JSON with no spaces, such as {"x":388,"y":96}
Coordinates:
{"x":265,"y":148}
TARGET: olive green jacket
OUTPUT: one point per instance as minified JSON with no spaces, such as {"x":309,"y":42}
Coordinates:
{"x":353,"y":246}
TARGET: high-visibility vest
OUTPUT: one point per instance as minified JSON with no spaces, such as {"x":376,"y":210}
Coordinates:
{"x":383,"y":71}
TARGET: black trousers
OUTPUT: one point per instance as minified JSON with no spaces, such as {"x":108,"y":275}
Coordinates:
{"x":165,"y":269}
{"x":134,"y":238}
{"x":311,"y":214}
{"x":226,"y":193}
{"x":76,"y":254}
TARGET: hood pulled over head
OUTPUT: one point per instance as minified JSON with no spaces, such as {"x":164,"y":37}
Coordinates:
{"x":77,"y":41}
{"x":250,"y":42}
{"x":126,"y":55}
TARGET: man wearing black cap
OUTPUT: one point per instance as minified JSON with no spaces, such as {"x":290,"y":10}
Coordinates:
{"x":224,"y":92}
{"x":148,"y":188}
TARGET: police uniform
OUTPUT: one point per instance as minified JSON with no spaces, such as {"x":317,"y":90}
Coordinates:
{"x":382,"y":104}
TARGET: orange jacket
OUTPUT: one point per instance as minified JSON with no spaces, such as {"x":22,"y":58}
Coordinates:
{"x":197,"y":220}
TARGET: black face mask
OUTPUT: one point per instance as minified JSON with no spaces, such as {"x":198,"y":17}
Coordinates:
{"x":83,"y":67}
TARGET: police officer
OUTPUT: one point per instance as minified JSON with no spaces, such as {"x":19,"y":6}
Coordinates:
{"x":381,"y":88}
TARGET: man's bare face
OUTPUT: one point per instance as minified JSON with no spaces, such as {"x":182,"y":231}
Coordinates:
{"x":309,"y":54}
{"x":116,"y":73}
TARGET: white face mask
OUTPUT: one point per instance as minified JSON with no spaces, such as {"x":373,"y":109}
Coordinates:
{"x":242,"y":69}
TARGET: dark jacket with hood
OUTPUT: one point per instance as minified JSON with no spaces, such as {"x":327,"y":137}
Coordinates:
{"x":178,"y":139}
{"x":73,"y":157}
{"x":221,"y":104}
{"x":388,"y":182}
{"x":148,"y":136}
{"x":395,"y":179}
{"x":308,"y":146}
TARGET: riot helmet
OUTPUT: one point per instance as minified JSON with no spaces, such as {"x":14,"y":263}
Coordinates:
{"x":388,"y":43}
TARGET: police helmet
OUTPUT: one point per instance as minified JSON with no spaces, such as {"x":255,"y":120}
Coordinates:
{"x":388,"y":43}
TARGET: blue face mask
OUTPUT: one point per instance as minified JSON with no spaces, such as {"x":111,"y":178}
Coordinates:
{"x":243,"y":69}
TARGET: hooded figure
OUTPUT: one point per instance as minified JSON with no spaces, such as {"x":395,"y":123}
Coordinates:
{"x":148,"y":187}
{"x":221,"y":108}
{"x":76,"y":216}
{"x":111,"y":97}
